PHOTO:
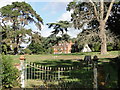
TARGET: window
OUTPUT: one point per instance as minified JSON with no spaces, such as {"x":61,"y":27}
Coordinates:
{"x":65,"y":48}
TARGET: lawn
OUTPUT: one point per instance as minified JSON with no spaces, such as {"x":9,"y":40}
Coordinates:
{"x":71,"y":56}
{"x":80,"y":75}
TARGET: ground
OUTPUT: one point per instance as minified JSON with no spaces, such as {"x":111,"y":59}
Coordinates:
{"x":72,"y":56}
{"x":108,"y":67}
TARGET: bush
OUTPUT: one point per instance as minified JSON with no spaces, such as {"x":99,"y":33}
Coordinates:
{"x":96,"y":47}
{"x":49,"y":51}
{"x":27,"y":51}
{"x":9,"y":73}
{"x":4,"y":49}
{"x":118,"y":45}
{"x":109,"y":47}
{"x":36,"y":48}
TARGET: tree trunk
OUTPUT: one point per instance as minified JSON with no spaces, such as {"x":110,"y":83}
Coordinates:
{"x":103,"y":37}
{"x":15,"y":50}
{"x":17,"y":45}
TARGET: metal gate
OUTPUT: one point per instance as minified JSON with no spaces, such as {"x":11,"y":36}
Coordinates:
{"x":69,"y":74}
{"x":76,"y":74}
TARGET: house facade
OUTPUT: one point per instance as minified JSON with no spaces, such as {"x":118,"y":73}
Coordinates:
{"x":62,"y":47}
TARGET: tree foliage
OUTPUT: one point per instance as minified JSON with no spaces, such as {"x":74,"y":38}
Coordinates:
{"x":14,"y":18}
{"x":45,"y":46}
{"x":36,"y":48}
{"x":113,"y":22}
{"x":9,"y":73}
{"x":90,"y":13}
{"x":19,"y":13}
{"x":91,"y":37}
{"x":60,"y":26}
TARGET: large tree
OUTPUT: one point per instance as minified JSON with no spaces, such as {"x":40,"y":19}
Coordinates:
{"x":8,"y":36}
{"x":58,"y":27}
{"x":91,"y":13}
{"x":14,"y":19}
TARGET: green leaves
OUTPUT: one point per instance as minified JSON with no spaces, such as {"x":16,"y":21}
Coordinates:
{"x":82,"y":13}
{"x":21,"y":10}
{"x":19,"y":14}
{"x":10,"y":73}
{"x":71,"y":6}
{"x":59,"y":26}
{"x":36,"y":48}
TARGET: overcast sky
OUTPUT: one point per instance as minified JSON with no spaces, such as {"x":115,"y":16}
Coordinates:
{"x":49,"y":11}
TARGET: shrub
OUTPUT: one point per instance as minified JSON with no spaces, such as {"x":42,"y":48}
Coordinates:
{"x":96,"y":47}
{"x":4,"y":49}
{"x":27,"y":51}
{"x":36,"y":48}
{"x":9,"y":73}
{"x":109,"y":47}
{"x":118,"y":45}
{"x":49,"y":51}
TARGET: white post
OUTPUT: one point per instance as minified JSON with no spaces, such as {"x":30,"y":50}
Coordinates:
{"x":22,"y":71}
{"x":58,"y":73}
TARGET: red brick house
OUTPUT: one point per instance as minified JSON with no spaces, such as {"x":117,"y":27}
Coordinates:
{"x":62,"y":47}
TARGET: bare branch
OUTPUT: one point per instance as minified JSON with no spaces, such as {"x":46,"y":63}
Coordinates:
{"x":102,"y":9}
{"x":108,"y":12}
{"x":95,"y":10}
{"x":3,"y":27}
